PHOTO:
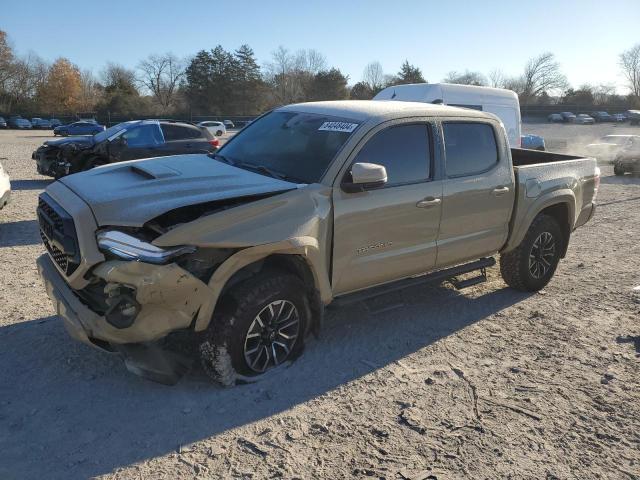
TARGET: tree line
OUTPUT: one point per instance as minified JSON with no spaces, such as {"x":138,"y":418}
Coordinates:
{"x":233,"y":83}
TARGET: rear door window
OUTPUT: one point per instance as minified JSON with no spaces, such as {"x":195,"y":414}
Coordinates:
{"x":403,"y":150}
{"x":470,"y":148}
{"x":143,"y":136}
{"x":180,"y":132}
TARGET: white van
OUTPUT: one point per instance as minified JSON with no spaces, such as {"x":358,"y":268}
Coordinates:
{"x":502,"y":103}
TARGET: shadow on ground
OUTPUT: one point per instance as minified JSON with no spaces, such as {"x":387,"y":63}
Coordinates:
{"x":19,"y":233}
{"x":80,"y":414}
{"x":621,"y":180}
{"x":30,"y":184}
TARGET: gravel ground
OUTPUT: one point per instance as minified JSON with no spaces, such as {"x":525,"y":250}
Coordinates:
{"x":425,"y":383}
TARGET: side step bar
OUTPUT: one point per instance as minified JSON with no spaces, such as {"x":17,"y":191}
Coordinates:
{"x":436,"y":276}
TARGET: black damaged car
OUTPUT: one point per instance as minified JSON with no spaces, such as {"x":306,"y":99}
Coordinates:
{"x":125,"y":141}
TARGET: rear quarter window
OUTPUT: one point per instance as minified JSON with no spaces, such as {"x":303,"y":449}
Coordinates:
{"x":180,"y":132}
{"x":470,"y":148}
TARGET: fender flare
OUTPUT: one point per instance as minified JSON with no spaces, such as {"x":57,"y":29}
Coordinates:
{"x":519,"y":230}
{"x":305,"y":247}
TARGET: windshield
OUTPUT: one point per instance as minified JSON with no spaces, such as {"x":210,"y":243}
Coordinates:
{"x":297,"y":146}
{"x":101,"y":136}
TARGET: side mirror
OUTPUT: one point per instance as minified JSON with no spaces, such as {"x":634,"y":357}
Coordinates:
{"x":365,"y":176}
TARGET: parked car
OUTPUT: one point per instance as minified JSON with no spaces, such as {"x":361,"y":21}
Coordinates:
{"x":532,"y":142}
{"x":555,"y":118}
{"x":54,"y":122}
{"x":5,"y":187}
{"x":608,"y":147}
{"x":215,"y":128}
{"x":499,"y":101}
{"x":568,"y":117}
{"x":601,"y":117}
{"x":78,"y":128}
{"x":3,"y":123}
{"x":618,"y":117}
{"x":584,"y":119}
{"x":633,"y":116}
{"x":17,"y":122}
{"x":229,"y":124}
{"x":40,"y":123}
{"x":627,"y":160}
{"x":305,"y":207}
{"x":125,"y":141}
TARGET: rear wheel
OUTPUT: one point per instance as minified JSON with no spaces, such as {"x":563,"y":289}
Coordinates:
{"x":618,"y":170}
{"x":531,"y":265}
{"x":259,"y":324}
{"x":219,"y":133}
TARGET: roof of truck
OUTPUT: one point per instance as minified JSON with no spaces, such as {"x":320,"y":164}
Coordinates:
{"x":363,"y":110}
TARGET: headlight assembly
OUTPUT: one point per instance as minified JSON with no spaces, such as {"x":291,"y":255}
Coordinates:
{"x":127,"y":247}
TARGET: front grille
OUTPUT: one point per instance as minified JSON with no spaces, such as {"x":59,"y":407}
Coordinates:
{"x":58,"y":234}
{"x":59,"y":257}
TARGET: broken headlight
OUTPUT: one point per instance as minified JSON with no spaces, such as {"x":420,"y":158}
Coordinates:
{"x":127,"y":247}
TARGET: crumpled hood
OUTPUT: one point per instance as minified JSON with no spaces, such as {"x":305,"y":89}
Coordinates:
{"x":132,"y":193}
{"x":80,"y":141}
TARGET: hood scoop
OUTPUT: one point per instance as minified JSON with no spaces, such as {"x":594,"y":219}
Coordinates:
{"x":153,"y":171}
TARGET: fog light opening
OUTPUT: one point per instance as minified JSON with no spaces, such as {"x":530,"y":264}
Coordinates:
{"x":123,"y":307}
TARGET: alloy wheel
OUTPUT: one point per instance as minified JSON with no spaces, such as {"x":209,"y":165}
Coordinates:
{"x":542,"y":254}
{"x":272,"y":335}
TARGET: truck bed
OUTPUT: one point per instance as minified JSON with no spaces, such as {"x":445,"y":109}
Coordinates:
{"x":521,"y":157}
{"x":539,"y":176}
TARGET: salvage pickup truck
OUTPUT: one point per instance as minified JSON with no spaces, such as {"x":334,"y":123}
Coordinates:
{"x":240,"y":251}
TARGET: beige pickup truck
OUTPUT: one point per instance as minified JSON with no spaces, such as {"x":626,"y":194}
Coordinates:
{"x":240,"y":251}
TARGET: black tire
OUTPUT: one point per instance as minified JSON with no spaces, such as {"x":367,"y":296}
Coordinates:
{"x":618,"y":170}
{"x":516,"y":266}
{"x":224,"y":346}
{"x":219,"y":133}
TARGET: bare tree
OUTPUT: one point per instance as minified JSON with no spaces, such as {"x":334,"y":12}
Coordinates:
{"x":630,"y":65}
{"x":542,"y":74}
{"x":603,"y":93}
{"x":280,"y":74}
{"x":291,"y":74}
{"x":161,"y":75}
{"x":89,"y":92}
{"x":496,"y":78}
{"x":29,"y":75}
{"x":466,"y":78}
{"x":373,"y":76}
{"x":310,"y":61}
{"x":7,"y":61}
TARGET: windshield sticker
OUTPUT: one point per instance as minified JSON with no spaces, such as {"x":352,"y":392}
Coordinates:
{"x":338,"y":127}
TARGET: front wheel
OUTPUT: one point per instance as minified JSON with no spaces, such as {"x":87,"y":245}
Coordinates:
{"x":618,"y":170}
{"x":219,"y":133}
{"x":259,"y":324}
{"x":531,"y":265}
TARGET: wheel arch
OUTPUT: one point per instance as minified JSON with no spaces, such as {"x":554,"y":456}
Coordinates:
{"x":299,"y":257}
{"x":560,"y":205}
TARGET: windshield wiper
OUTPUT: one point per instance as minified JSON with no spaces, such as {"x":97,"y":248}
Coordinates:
{"x":222,"y":158}
{"x":255,"y":168}
{"x":263,"y":169}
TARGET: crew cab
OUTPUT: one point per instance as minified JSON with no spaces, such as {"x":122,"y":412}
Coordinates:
{"x":313,"y":204}
{"x":125,"y":141}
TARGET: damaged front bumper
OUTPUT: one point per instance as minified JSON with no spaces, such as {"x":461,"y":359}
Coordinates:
{"x":48,"y":163}
{"x":168,"y":299}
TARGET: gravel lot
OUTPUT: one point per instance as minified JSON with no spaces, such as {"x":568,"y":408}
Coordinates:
{"x":425,"y":383}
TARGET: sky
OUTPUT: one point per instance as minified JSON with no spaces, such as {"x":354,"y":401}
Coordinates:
{"x":586,"y":36}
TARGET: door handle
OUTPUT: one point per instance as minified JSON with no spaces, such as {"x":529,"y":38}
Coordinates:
{"x":428,"y":202}
{"x":500,"y":191}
